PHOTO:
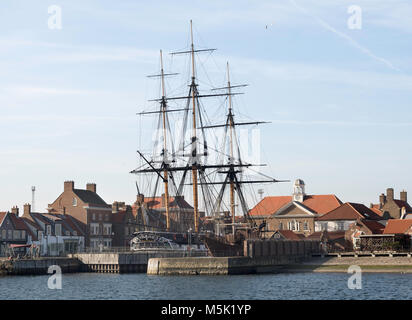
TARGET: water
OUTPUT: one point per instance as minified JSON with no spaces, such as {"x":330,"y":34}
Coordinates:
{"x":268,"y":286}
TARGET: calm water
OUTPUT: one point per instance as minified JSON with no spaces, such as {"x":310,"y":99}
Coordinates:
{"x":274,"y":286}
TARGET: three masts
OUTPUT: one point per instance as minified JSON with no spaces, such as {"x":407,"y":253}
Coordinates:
{"x":169,"y":167}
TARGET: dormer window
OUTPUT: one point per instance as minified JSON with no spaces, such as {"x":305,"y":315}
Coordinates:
{"x":74,"y":202}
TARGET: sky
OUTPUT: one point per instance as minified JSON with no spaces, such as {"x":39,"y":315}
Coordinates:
{"x":338,"y":98}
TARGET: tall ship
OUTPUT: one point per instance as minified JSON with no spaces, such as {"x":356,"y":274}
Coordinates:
{"x":195,"y":179}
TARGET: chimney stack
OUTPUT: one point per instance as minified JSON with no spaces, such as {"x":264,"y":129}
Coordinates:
{"x":91,"y":187}
{"x":15,"y":210}
{"x":68,"y":185}
{"x":115,"y":207}
{"x":27,"y":209}
{"x":389,"y":193}
{"x":404,"y":196}
{"x":382,"y":200}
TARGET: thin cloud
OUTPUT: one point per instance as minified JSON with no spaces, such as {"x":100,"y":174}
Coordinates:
{"x":351,"y":41}
{"x":344,"y":123}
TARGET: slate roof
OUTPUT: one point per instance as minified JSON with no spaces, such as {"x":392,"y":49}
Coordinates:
{"x":89,"y":197}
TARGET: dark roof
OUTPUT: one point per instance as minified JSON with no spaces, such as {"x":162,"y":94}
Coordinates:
{"x":374,"y":226}
{"x":90,"y":197}
{"x":401,"y":203}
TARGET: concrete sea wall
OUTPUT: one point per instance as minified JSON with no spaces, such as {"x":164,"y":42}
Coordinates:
{"x":260,"y":256}
{"x":126,"y":262}
{"x":37,"y":266}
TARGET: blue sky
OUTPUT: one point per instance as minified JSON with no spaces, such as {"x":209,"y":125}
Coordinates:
{"x":339,"y":99}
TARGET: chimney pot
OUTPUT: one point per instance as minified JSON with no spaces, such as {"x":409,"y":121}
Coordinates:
{"x":389,"y":193}
{"x":68,"y":185}
{"x":27,"y":209}
{"x":404,"y":196}
{"x":15,"y":210}
{"x":91,"y":187}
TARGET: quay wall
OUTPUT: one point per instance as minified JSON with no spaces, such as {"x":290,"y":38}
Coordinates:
{"x":218,"y":265}
{"x":259,"y":256}
{"x":38,"y":266}
{"x":125,"y":262}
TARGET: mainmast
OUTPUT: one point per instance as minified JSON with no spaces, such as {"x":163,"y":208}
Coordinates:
{"x":194,"y":137}
{"x":165,"y":160}
{"x":231,"y":125}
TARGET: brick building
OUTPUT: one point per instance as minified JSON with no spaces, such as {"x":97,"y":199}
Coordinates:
{"x":150,"y":213}
{"x":124,"y":224}
{"x":342,"y":217}
{"x":296,"y":212}
{"x":86,"y":206}
{"x":13,"y":230}
{"x":392,"y":208}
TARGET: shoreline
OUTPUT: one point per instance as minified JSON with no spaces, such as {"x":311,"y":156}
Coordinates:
{"x":306,"y":268}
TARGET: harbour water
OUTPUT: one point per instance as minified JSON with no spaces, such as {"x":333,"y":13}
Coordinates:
{"x":286,"y":286}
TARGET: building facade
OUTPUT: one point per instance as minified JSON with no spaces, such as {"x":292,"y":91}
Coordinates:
{"x":295,"y":213}
{"x":86,"y":206}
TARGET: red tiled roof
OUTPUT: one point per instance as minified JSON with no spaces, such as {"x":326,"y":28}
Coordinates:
{"x":320,"y":204}
{"x":269,"y":205}
{"x":395,"y":226}
{"x":2,"y":215}
{"x":375,"y":209}
{"x":350,"y":211}
{"x":290,"y":235}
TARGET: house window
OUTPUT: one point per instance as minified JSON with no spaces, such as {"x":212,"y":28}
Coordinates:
{"x":305,"y":226}
{"x":9,"y":234}
{"x":74,"y":202}
{"x":297,"y":225}
{"x":67,"y":233}
{"x":281,"y":226}
{"x":100,"y":217}
{"x":107,"y":229}
{"x":58,"y":229}
{"x":340,"y":225}
{"x":16,"y":234}
{"x":40,"y":235}
{"x":48,"y":230}
{"x":106,"y":217}
{"x":94,"y":216}
{"x":74,"y":233}
{"x":94,"y":228}
{"x":23,"y":234}
{"x":292,"y":225}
